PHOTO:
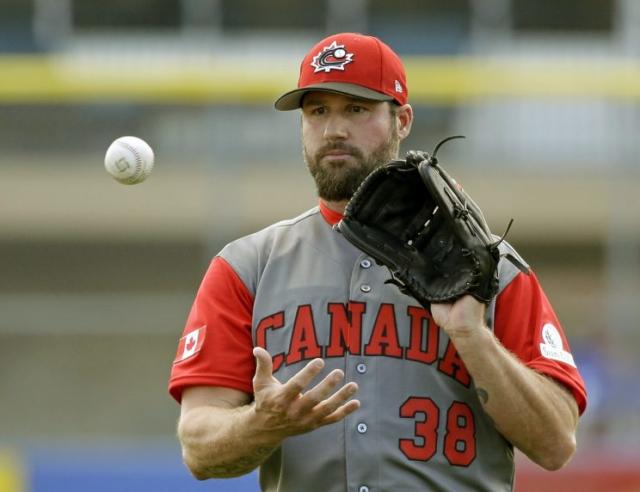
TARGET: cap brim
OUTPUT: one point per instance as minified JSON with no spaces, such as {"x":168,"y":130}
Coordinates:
{"x":293,"y":99}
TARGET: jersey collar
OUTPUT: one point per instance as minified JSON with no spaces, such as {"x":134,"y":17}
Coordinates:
{"x":330,"y":216}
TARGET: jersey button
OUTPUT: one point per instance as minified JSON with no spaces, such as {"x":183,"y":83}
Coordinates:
{"x":361,"y":368}
{"x":362,"y":427}
{"x":363,"y":488}
{"x":365,"y":288}
{"x":366,"y":263}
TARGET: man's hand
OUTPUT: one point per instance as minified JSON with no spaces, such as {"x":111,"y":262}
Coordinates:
{"x":459,"y":319}
{"x":287,"y":409}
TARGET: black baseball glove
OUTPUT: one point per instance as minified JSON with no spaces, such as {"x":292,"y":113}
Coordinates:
{"x":414,"y":218}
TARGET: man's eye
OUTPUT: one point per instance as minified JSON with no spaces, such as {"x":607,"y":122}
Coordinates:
{"x":319,"y":110}
{"x":357,"y":109}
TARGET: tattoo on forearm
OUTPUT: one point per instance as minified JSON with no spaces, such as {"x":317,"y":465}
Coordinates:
{"x":483,"y":394}
{"x":242,"y":465}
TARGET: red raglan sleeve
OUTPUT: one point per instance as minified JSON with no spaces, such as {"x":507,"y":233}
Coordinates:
{"x":527,"y":325}
{"x":216,"y":346}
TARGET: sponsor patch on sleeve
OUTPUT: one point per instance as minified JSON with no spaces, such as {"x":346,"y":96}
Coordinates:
{"x":552,"y":346}
{"x":190,"y":344}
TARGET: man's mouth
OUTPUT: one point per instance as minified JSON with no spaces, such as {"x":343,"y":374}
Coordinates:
{"x":337,"y":154}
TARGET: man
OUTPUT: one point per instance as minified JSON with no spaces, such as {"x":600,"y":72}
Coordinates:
{"x":291,"y":322}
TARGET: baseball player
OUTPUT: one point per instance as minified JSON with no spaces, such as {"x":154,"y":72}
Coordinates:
{"x":299,"y":358}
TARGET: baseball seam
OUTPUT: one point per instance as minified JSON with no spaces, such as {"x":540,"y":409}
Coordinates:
{"x":139,"y":163}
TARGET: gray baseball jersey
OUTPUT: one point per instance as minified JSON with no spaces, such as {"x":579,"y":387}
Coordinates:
{"x":301,"y":291}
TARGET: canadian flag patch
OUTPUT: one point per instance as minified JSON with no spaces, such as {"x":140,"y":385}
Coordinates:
{"x":190,"y":344}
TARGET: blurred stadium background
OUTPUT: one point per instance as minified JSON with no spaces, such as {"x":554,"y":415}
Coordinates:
{"x":97,"y":278}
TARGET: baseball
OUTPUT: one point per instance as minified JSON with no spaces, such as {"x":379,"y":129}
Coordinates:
{"x":129,"y":160}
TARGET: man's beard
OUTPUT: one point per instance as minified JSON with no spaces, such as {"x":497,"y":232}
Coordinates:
{"x":338,"y":180}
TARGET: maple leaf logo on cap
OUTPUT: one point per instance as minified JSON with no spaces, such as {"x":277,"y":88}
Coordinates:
{"x":332,"y":57}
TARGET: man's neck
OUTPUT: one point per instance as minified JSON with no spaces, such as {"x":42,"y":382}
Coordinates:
{"x":336,"y":206}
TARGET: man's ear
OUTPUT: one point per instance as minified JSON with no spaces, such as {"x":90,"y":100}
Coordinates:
{"x":404,"y":119}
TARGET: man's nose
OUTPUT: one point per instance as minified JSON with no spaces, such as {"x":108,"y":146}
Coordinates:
{"x":336,"y":128}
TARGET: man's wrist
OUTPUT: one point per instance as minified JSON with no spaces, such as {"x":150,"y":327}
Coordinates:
{"x":259,"y":431}
{"x":472,"y":338}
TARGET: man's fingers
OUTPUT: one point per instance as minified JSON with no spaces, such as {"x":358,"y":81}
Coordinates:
{"x":264,"y":366}
{"x":318,"y":403}
{"x":321,"y":390}
{"x":331,"y":404}
{"x":341,"y":412}
{"x":302,"y":378}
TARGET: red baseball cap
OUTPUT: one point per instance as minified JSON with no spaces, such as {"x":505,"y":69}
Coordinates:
{"x":351,"y":64}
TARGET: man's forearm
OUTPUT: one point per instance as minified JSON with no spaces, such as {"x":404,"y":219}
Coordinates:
{"x":532,"y":412}
{"x":224,"y":436}
{"x":219,"y":442}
